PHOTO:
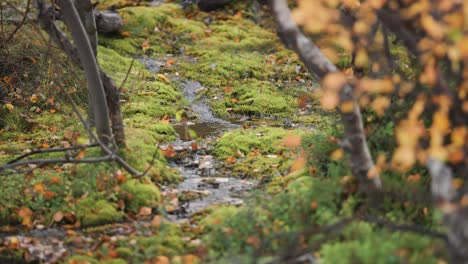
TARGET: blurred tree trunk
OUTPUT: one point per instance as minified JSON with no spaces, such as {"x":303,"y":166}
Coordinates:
{"x":46,"y":17}
{"x":88,"y":59}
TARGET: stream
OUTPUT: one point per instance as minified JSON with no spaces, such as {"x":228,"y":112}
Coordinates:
{"x":199,"y":169}
{"x":204,"y":181}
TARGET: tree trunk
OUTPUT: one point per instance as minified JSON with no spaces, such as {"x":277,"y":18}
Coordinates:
{"x":93,"y":77}
{"x":67,"y":46}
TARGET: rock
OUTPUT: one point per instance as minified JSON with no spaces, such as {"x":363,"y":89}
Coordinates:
{"x":209,"y":5}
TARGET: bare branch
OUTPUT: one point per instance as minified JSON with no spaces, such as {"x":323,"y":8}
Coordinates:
{"x":51,"y":150}
{"x":43,"y":162}
{"x":21,"y":23}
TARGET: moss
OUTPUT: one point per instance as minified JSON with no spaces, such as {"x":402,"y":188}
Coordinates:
{"x":166,"y":241}
{"x":265,"y":139}
{"x":397,"y":247}
{"x":82,"y":259}
{"x":138,"y":194}
{"x":140,"y":150}
{"x":93,"y":211}
{"x":160,"y":131}
{"x":217,"y":216}
{"x":113,"y":261}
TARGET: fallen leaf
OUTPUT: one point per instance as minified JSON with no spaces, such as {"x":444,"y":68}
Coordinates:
{"x":25,"y":212}
{"x":231,"y":160}
{"x":125,"y":34}
{"x":337,"y":154}
{"x":55,"y":180}
{"x":38,"y":187}
{"x":292,"y":141}
{"x":163,"y":78}
{"x":162,"y":260}
{"x":58,"y":216}
{"x":253,"y":240}
{"x":194,"y":146}
{"x":157,"y":220}
{"x":10,"y":107}
{"x":145,"y":211}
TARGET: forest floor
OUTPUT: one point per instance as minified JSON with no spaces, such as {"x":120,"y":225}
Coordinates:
{"x":243,"y":160}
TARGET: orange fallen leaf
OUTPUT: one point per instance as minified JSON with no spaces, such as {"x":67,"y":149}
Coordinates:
{"x":125,"y":34}
{"x":228,"y":89}
{"x":24,"y":212}
{"x":170,"y":62}
{"x":157,"y":220}
{"x":231,"y":160}
{"x":80,"y":154}
{"x":169,"y":152}
{"x":145,"y":211}
{"x":314,"y":205}
{"x":55,"y":180}
{"x":253,"y":240}
{"x":49,"y":195}
{"x":414,"y":178}
{"x":292,"y":141}
{"x":38,"y":187}
{"x":162,"y":260}
{"x":194,"y":146}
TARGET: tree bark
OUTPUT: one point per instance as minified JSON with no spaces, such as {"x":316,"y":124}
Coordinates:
{"x":85,"y":11}
{"x":89,"y":63}
{"x":319,"y":66}
{"x":46,"y":19}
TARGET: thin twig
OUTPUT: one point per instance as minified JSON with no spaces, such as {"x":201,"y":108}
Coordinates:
{"x":117,"y":158}
{"x":126,"y":75}
{"x":50,"y":150}
{"x":25,"y":17}
{"x":404,"y":227}
{"x":43,"y":162}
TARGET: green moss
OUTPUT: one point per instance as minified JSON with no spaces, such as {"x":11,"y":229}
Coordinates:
{"x":113,"y":261}
{"x":82,"y":259}
{"x":140,"y":150}
{"x":266,"y":139}
{"x":217,"y":216}
{"x":138,"y":194}
{"x":166,"y":241}
{"x":93,"y":211}
{"x":360,"y":247}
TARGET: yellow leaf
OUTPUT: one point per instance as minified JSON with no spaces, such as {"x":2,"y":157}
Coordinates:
{"x":329,"y":100}
{"x":33,"y":98}
{"x":347,"y":107}
{"x":380,"y":104}
{"x":163,"y":78}
{"x":432,"y":27}
{"x":337,"y":154}
{"x":457,"y":183}
{"x":361,"y":60}
{"x":10,"y":107}
{"x":38,"y":187}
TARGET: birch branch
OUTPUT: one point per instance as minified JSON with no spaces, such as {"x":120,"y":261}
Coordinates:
{"x":319,"y":65}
